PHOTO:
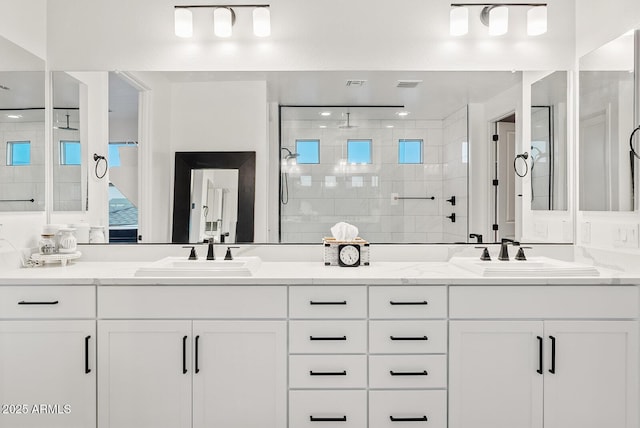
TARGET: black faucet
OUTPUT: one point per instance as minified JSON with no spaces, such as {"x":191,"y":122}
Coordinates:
{"x":210,"y":255}
{"x":192,"y":255}
{"x":504,"y":252}
{"x":229,"y":256}
{"x":477,"y":236}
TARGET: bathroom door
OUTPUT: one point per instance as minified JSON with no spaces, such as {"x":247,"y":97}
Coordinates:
{"x":506,"y":194}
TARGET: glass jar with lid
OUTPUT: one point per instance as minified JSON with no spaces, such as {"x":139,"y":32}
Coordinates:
{"x":47,"y":244}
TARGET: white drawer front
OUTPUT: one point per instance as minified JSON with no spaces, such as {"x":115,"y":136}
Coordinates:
{"x":344,"y":409}
{"x":328,"y":371}
{"x":185,"y":301}
{"x":327,"y":337}
{"x":328,"y":302}
{"x":407,"y":337}
{"x":408,"y":408}
{"x":557,"y":301}
{"x":48,"y":301}
{"x":408,"y":302}
{"x":408,"y":371}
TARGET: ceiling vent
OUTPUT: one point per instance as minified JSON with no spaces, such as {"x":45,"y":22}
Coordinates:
{"x":355,"y":82}
{"x":408,"y":83}
{"x":6,"y":88}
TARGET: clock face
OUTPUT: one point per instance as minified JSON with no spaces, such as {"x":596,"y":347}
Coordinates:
{"x":349,"y":255}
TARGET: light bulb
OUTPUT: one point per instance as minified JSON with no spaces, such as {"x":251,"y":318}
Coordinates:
{"x":183,"y":22}
{"x":261,"y":22}
{"x":498,"y":21}
{"x":537,"y":20}
{"x":222,"y":22}
{"x":458,"y":21}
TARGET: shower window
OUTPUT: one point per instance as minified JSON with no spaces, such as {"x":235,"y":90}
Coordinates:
{"x":410,"y":151}
{"x":18,"y":153}
{"x":358,"y":152}
{"x":70,"y":153}
{"x":308,"y":151}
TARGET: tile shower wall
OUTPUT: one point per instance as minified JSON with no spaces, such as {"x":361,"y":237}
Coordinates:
{"x":67,"y":192}
{"x":323,"y":194}
{"x":25,"y":181}
{"x":454,"y":176}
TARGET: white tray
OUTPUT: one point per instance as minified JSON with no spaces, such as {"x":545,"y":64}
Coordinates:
{"x":53,"y":258}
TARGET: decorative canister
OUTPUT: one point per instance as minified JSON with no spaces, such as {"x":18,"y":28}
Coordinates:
{"x":47,"y":244}
{"x":68,"y":241}
{"x":82,"y":232}
{"x":96,"y":235}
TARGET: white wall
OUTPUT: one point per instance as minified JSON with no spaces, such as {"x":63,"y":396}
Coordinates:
{"x":25,"y":24}
{"x":223,"y":116}
{"x":598,"y":22}
{"x":326,"y":35}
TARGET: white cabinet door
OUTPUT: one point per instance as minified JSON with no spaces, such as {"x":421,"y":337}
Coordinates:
{"x":47,"y":374}
{"x":144,"y":374}
{"x":493,"y":375}
{"x":592,"y":381}
{"x":240,"y":374}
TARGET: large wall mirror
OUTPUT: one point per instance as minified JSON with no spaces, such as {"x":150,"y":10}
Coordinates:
{"x":606,"y":163}
{"x":432,"y":142}
{"x":548,"y":151}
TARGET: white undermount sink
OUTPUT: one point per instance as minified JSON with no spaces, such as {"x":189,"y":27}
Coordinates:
{"x":532,"y":267}
{"x":183,"y":267}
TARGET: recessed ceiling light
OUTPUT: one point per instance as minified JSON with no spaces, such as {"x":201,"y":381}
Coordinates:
{"x":389,"y":126}
{"x":323,"y":126}
{"x":325,"y":113}
{"x":402,"y":113}
{"x":14,"y":116}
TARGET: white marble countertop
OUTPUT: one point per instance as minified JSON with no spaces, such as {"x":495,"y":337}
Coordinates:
{"x":293,"y":273}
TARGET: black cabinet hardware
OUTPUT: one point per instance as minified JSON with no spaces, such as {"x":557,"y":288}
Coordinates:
{"x":552,"y":370}
{"x":23,"y":302}
{"x":197,"y":366}
{"x":422,"y":373}
{"x":342,"y":373}
{"x":539,"y":355}
{"x":420,"y":419}
{"x":86,"y":355}
{"x":314,"y":419}
{"x":423,"y":302}
{"x":452,"y":200}
{"x":409,"y":338}
{"x":452,"y":217}
{"x":327,"y":338}
{"x":184,"y":355}
{"x":313,"y":302}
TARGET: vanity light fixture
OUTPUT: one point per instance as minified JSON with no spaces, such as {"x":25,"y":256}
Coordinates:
{"x":224,"y":17}
{"x":496,"y":17}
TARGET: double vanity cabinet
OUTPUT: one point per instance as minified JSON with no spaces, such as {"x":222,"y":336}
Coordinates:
{"x":277,"y":356}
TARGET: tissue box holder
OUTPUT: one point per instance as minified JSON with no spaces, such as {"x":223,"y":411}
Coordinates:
{"x":331,"y":250}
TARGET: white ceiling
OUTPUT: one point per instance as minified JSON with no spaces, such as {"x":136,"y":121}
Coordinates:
{"x":438,"y":95}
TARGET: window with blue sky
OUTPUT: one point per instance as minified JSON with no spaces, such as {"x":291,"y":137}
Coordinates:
{"x":358,"y":151}
{"x":410,"y":151}
{"x":114,"y":153}
{"x":18,"y":153}
{"x":70,"y":153}
{"x":308,"y":151}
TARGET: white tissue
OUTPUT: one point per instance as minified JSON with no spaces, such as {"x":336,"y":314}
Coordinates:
{"x":344,"y":231}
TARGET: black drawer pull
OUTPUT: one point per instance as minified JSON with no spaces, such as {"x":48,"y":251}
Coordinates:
{"x":342,"y":373}
{"x":420,"y":419}
{"x":22,"y":302}
{"x":409,"y":338}
{"x":552,"y":370}
{"x":540,"y":355}
{"x":197,"y":364}
{"x":327,"y":338}
{"x":312,"y":302}
{"x":314,"y":419}
{"x":87,"y":370}
{"x":184,"y":355}
{"x":422,"y":373}
{"x":424,"y":302}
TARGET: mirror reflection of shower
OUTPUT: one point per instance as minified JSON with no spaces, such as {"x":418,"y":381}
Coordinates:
{"x":284,"y":175}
